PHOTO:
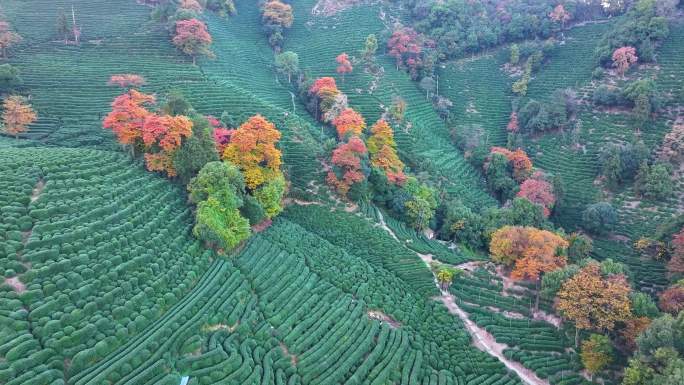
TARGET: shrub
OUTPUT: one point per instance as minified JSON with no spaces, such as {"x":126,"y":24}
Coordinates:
{"x":599,"y":218}
{"x":654,"y":182}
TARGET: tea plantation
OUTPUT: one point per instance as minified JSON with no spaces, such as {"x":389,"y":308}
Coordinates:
{"x":104,"y":280}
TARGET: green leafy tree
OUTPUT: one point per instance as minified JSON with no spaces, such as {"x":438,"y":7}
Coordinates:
{"x":597,"y":353}
{"x":420,"y":208}
{"x":515,"y":54}
{"x":599,"y":218}
{"x":643,"y":305}
{"x":369,"y":48}
{"x":659,"y":358}
{"x":580,"y":247}
{"x":287,"y":63}
{"x":220,"y":224}
{"x":270,"y":196}
{"x":9,"y":78}
{"x":654,"y":182}
{"x":196,"y":151}
{"x":216,"y":179}
{"x":499,"y":177}
{"x":63,"y":28}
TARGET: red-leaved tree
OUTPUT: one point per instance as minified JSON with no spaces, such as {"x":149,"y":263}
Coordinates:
{"x":344,"y":66}
{"x":513,"y":125}
{"x":405,"y":46}
{"x":158,"y":136}
{"x":192,"y":38}
{"x":623,"y":58}
{"x":7,"y":38}
{"x":560,"y":15}
{"x":676,"y":263}
{"x":347,"y":161}
{"x":538,"y":191}
{"x":126,"y":80}
{"x":672,"y":299}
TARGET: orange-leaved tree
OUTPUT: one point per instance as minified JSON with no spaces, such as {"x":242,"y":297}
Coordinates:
{"x":347,"y":165}
{"x":594,"y":302}
{"x":521,"y":163}
{"x":157,"y":136}
{"x":531,"y":251}
{"x":17,"y":114}
{"x":192,"y":38}
{"x":344,"y":66}
{"x":623,"y":58}
{"x":253,"y":150}
{"x":326,"y":95}
{"x":275,"y":12}
{"x":383,"y":152}
{"x":349,"y":122}
{"x":128,"y":115}
{"x":7,"y":38}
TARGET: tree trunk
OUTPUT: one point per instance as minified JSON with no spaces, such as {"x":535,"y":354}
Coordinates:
{"x":194,"y":60}
{"x":576,"y":337}
{"x":536,"y":300}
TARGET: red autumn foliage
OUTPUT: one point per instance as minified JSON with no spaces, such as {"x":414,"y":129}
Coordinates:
{"x":404,"y":44}
{"x":128,"y":115}
{"x":159,"y":135}
{"x":623,"y":58}
{"x":322,"y":83}
{"x":347,"y":157}
{"x":192,"y":38}
{"x":126,"y":80}
{"x":676,"y":263}
{"x":349,"y":122}
{"x":513,"y":125}
{"x":560,"y":15}
{"x":538,"y":191}
{"x":672,"y":300}
{"x":222,"y":138}
{"x":344,"y":65}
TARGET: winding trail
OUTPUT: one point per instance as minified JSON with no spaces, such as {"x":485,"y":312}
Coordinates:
{"x":482,"y":339}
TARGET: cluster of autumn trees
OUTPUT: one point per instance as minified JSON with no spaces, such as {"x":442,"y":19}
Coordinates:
{"x":17,"y":112}
{"x":233,"y":175}
{"x":597,"y":297}
{"x":364,"y":162}
{"x":276,"y":16}
{"x":188,"y":33}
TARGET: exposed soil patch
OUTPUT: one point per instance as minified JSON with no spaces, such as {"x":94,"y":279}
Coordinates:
{"x":541,"y":315}
{"x":16,"y":284}
{"x":380,"y":316}
{"x":299,"y":202}
{"x":37,"y":190}
{"x":331,"y":7}
{"x":286,"y":352}
{"x":213,"y":328}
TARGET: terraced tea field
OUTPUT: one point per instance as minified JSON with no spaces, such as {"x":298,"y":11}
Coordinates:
{"x":103,"y":281}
